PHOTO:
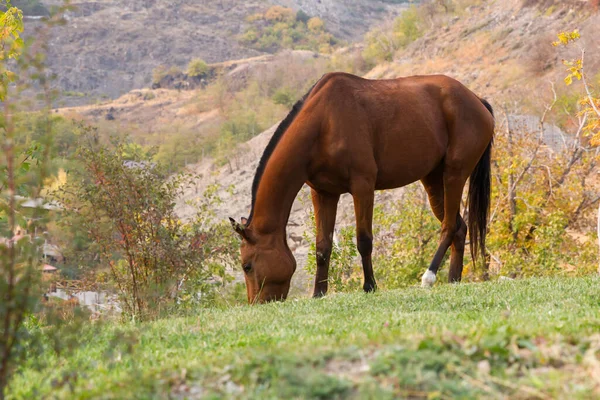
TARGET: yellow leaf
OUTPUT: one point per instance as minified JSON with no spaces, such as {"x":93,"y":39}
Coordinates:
{"x":569,"y":80}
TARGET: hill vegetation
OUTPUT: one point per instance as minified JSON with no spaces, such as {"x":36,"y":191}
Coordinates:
{"x":281,"y":27}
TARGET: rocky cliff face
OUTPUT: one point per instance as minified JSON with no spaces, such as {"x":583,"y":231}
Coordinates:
{"x":109,"y":47}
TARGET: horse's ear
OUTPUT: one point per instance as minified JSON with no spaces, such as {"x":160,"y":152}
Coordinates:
{"x":240,"y":229}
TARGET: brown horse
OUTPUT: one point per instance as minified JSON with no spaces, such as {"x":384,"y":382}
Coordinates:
{"x":350,"y":134}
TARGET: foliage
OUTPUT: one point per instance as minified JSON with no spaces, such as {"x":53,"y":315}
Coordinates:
{"x":11,"y":42}
{"x":406,"y":237}
{"x":539,"y":196}
{"x":589,"y":103}
{"x":382,"y":42}
{"x":19,"y":257}
{"x":125,"y":203}
{"x":281,"y":28}
{"x":284,"y":97}
{"x":302,"y":16}
{"x":197,"y":67}
{"x":159,"y":73}
{"x":25,"y":163}
{"x":454,"y":341}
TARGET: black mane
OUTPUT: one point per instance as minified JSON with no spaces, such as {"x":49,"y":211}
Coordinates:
{"x":283,"y":126}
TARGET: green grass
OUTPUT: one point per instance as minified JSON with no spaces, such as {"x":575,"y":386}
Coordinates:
{"x":534,"y":338}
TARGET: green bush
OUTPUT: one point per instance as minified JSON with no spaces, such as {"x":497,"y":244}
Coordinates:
{"x":125,"y":203}
{"x":284,"y":97}
{"x":197,"y":67}
{"x":382,"y":43}
{"x":406,"y":237}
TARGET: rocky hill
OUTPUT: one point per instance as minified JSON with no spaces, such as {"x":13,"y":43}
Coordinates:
{"x":109,"y":47}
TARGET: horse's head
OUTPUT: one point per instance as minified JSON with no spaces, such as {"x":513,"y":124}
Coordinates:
{"x":267,"y":262}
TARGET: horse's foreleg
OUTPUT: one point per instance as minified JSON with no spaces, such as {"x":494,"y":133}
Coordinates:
{"x":325,"y":206}
{"x":364,"y":195}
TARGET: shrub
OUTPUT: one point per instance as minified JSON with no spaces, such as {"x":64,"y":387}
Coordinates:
{"x":197,"y":67}
{"x":280,"y":14}
{"x":316,"y":25}
{"x":302,"y":16}
{"x":382,"y":43}
{"x":285,"y":97}
{"x":125,"y":203}
{"x":406,"y":237}
{"x":159,"y":73}
{"x":408,"y":27}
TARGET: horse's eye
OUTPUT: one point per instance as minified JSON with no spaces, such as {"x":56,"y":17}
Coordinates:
{"x":247,"y":267}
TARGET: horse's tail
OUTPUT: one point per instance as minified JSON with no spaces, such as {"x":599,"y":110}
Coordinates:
{"x":479,"y":198}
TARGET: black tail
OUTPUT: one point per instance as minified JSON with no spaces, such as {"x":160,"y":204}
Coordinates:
{"x":479,"y":198}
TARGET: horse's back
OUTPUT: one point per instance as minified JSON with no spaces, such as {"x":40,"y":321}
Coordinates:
{"x":396,"y":129}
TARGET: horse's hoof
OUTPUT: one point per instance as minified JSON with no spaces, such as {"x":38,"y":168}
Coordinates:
{"x":428,"y":279}
{"x":370,"y":288}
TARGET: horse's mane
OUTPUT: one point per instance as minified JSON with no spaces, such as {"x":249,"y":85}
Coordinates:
{"x":262,"y":164}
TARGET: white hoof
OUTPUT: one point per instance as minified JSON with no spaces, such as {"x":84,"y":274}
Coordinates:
{"x":428,"y":279}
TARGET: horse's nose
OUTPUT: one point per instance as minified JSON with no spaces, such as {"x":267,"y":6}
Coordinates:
{"x":271,"y":297}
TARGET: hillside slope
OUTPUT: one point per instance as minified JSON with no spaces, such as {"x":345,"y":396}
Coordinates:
{"x":489,"y":341}
{"x":110,"y":47}
{"x":502,"y":50}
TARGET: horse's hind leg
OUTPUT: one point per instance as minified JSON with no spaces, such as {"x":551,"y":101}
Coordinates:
{"x":454,"y":230}
{"x":325,"y":210}
{"x":363,"y":194}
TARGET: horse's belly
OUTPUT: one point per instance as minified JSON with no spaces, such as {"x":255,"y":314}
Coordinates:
{"x":403,"y":168}
{"x":329,"y":182}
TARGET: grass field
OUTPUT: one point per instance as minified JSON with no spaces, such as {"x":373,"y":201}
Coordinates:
{"x":537,"y":338}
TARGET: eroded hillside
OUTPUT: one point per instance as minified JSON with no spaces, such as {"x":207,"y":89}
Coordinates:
{"x":110,"y":47}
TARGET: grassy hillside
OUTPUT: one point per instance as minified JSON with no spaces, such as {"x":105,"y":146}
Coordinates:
{"x":524,"y":339}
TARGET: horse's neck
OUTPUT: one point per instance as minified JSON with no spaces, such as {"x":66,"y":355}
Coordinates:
{"x":284,"y":175}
